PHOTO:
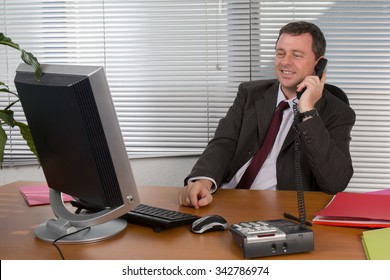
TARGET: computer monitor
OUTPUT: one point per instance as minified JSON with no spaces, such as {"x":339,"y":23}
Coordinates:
{"x":75,"y":129}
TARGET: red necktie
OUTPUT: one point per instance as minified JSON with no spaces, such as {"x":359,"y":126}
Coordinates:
{"x":259,"y":158}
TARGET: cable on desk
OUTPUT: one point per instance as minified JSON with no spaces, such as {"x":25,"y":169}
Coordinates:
{"x":66,"y":235}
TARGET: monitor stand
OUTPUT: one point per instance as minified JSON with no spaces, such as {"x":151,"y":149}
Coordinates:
{"x":70,"y":228}
{"x":86,"y":235}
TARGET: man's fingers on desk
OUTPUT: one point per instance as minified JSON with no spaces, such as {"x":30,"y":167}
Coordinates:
{"x":194,"y":192}
{"x":182,"y":197}
{"x":191,"y":194}
{"x":200,"y":196}
{"x":185,"y":196}
{"x":206,"y":200}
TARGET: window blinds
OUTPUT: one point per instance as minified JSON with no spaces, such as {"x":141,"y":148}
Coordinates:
{"x":174,"y":65}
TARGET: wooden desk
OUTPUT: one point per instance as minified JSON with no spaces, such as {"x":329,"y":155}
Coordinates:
{"x":17,"y":240}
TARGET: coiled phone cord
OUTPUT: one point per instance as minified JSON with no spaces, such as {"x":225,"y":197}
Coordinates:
{"x":297,"y":165}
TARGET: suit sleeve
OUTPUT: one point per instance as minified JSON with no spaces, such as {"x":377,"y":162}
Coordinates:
{"x":220,"y":150}
{"x":325,"y":142}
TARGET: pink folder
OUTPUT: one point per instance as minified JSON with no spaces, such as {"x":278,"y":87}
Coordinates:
{"x":39,"y":195}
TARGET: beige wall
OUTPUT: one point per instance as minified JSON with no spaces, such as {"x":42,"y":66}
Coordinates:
{"x":150,"y":171}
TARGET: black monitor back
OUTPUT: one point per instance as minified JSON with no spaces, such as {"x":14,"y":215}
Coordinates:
{"x":76,"y":132}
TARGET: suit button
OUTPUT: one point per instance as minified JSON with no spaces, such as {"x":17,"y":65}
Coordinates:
{"x":250,"y":153}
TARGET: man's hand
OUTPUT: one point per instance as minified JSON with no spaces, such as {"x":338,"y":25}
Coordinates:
{"x":196,"y":194}
{"x":314,"y":87}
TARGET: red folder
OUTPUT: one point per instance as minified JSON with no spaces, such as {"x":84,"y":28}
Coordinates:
{"x":356,"y":210}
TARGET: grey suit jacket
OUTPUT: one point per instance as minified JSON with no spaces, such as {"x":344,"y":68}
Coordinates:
{"x":326,"y":163}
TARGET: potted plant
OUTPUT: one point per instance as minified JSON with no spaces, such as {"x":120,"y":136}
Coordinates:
{"x":7,"y":114}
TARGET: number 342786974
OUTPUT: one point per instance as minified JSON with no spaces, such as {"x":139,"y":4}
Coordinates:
{"x":240,"y":270}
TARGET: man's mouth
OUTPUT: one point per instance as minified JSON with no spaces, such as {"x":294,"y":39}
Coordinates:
{"x":287,"y":72}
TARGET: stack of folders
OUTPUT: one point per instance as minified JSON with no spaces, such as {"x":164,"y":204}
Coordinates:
{"x":367,"y":210}
{"x":370,"y":210}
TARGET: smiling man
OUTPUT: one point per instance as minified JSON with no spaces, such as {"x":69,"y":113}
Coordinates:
{"x":324,"y":128}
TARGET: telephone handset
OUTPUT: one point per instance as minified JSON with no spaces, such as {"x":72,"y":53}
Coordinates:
{"x":319,"y":69}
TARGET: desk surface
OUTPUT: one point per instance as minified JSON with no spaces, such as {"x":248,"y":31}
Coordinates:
{"x":138,"y":242}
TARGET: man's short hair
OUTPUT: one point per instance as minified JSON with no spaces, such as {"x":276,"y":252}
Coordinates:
{"x":301,"y":27}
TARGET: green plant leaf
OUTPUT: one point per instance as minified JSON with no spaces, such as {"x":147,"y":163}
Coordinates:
{"x":26,"y":134}
{"x":30,"y":59}
{"x":5,"y":88}
{"x":7,"y":117}
{"x":3,"y":140}
{"x":27,"y":57}
{"x":4,"y":40}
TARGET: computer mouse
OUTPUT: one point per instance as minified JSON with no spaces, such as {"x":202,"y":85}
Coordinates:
{"x":209,"y":223}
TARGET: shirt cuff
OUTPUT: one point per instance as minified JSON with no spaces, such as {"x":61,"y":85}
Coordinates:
{"x":213,"y":188}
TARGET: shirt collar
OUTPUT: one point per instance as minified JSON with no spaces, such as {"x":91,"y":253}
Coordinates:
{"x":281,"y":97}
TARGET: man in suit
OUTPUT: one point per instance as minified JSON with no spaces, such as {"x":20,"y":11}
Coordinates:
{"x":324,"y":127}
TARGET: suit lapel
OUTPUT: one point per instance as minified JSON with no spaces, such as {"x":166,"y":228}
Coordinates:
{"x":289,"y":138}
{"x":265,"y":108}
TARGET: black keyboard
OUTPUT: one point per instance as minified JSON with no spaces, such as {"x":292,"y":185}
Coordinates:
{"x":158,"y":218}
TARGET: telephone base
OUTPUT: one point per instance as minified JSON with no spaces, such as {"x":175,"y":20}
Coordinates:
{"x":272,"y":238}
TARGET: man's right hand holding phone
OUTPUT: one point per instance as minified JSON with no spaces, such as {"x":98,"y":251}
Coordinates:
{"x":314,"y":87}
{"x":309,"y":91}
